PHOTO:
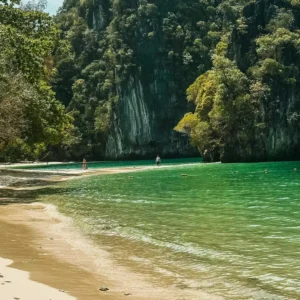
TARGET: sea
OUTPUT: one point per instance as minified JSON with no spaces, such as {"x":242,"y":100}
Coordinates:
{"x":231,"y":230}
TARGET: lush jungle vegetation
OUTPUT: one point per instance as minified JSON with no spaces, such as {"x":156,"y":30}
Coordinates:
{"x":237,"y":63}
{"x":111,"y":42}
{"x":245,"y":54}
{"x":247,"y":104}
{"x":31,"y":119}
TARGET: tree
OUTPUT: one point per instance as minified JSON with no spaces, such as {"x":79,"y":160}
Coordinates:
{"x":252,"y":86}
{"x":28,"y":38}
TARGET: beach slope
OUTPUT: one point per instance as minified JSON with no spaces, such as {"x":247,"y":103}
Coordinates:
{"x":15,"y":284}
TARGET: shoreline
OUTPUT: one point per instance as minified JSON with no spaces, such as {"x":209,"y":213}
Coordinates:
{"x":76,"y":172}
{"x":33,"y":239}
{"x":46,"y":244}
{"x":44,"y":178}
{"x":15,"y":284}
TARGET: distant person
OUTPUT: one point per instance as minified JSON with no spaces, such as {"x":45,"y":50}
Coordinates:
{"x":158,"y":160}
{"x":84,"y":167}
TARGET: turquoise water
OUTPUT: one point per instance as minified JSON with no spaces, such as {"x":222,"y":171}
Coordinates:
{"x":230,"y":230}
{"x":109,"y":164}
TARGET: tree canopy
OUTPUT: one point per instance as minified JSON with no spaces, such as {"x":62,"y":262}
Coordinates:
{"x":237,"y":60}
{"x":31,"y":118}
{"x":251,"y":92}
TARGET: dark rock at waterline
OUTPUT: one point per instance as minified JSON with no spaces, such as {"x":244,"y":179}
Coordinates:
{"x":103,"y":289}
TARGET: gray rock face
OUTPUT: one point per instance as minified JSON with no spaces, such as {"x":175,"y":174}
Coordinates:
{"x":98,"y":14}
{"x":283,"y":134}
{"x":151,"y":103}
{"x":144,"y":120}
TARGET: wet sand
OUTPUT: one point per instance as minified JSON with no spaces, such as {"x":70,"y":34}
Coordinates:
{"x":24,"y":244}
{"x":45,"y":244}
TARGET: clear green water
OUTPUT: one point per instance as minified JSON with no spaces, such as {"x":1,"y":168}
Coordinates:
{"x":230,"y":230}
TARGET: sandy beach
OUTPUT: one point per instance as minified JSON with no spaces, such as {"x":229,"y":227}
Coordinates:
{"x":38,"y":242}
{"x":50,"y":255}
{"x":16,"y":284}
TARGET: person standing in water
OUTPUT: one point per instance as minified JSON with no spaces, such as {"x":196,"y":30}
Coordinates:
{"x":158,"y":160}
{"x":84,"y":164}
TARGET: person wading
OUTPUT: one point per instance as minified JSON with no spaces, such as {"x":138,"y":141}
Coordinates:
{"x":158,"y":160}
{"x":84,"y":167}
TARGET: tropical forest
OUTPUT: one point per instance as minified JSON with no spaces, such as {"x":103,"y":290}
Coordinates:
{"x":126,"y":79}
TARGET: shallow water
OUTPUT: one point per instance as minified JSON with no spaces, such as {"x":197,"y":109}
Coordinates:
{"x":230,"y":230}
{"x":107,"y":164}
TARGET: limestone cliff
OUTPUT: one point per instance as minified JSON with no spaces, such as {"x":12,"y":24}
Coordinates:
{"x":132,"y":68}
{"x":145,"y":115}
{"x":124,"y":67}
{"x":248,"y":104}
{"x":281,"y":109}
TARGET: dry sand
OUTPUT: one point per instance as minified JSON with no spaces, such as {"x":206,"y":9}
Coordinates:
{"x":15,"y":284}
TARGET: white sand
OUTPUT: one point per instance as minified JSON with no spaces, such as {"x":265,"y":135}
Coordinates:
{"x":15,"y":284}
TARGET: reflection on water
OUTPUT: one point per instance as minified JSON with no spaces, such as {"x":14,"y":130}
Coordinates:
{"x":231,"y":230}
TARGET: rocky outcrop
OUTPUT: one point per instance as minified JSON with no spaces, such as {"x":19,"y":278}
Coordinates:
{"x":98,"y":14}
{"x":281,"y":110}
{"x":126,"y":71}
{"x":133,"y":60}
{"x":144,"y":119}
{"x":151,"y":100}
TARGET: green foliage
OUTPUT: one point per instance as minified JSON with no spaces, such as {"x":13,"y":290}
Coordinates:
{"x":28,"y":38}
{"x":103,"y":51}
{"x":295,"y":2}
{"x":235,"y":107}
{"x":111,"y":43}
{"x":246,"y":58}
{"x":225,"y":108}
{"x":187,"y":124}
{"x":284,"y":18}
